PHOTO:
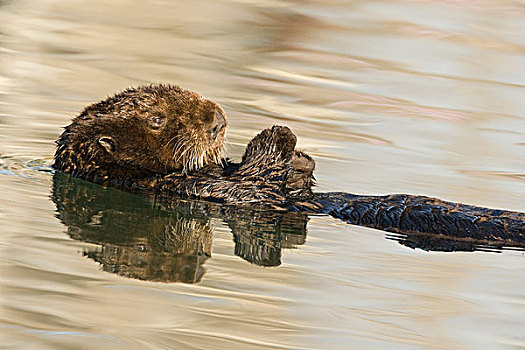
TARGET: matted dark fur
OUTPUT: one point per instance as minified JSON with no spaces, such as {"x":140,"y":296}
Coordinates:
{"x":163,"y":139}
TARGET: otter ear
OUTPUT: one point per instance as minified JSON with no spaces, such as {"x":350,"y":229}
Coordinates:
{"x":108,"y":143}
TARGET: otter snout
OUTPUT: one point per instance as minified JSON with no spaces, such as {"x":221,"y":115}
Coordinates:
{"x":219,"y":123}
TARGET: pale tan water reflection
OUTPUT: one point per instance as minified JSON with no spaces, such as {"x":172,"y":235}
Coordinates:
{"x":422,"y":97}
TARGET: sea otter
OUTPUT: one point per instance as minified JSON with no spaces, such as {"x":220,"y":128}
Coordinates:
{"x":164,"y":139}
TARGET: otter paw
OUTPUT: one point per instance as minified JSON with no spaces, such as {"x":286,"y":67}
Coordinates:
{"x":271,"y":145}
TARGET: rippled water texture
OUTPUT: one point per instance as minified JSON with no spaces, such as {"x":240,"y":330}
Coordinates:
{"x":422,"y":97}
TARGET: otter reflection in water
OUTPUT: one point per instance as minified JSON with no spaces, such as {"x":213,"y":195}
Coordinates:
{"x":166,"y":241}
{"x":169,"y":241}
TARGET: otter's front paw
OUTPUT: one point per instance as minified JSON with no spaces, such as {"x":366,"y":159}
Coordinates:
{"x":275,"y":144}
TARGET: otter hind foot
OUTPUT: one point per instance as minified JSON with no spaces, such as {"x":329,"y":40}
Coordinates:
{"x":300,"y":179}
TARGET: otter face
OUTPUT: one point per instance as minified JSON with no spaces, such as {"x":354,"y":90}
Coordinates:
{"x":191,"y":131}
{"x":155,"y":129}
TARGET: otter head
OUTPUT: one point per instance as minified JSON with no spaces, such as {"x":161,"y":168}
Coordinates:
{"x":150,"y":130}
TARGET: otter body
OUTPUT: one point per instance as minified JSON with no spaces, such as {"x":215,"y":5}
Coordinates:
{"x":163,"y":139}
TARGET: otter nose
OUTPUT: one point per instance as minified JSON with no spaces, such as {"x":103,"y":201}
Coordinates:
{"x":219,"y":123}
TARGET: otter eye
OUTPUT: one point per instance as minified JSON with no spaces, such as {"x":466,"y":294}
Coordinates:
{"x":157,"y":122}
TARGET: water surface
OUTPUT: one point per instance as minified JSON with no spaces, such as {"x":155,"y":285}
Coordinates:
{"x":423,"y":97}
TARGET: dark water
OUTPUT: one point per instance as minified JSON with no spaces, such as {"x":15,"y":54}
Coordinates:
{"x":423,"y":97}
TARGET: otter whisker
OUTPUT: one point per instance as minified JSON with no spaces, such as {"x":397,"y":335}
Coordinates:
{"x":190,"y":161}
{"x":175,"y":147}
{"x":217,"y":156}
{"x":226,"y":145}
{"x":179,"y":145}
{"x":168,"y":143}
{"x":181,"y":156}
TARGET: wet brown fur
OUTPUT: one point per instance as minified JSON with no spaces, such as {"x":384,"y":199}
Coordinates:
{"x":140,"y":132}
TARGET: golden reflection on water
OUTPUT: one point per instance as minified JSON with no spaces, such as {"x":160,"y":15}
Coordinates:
{"x":389,"y":96}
